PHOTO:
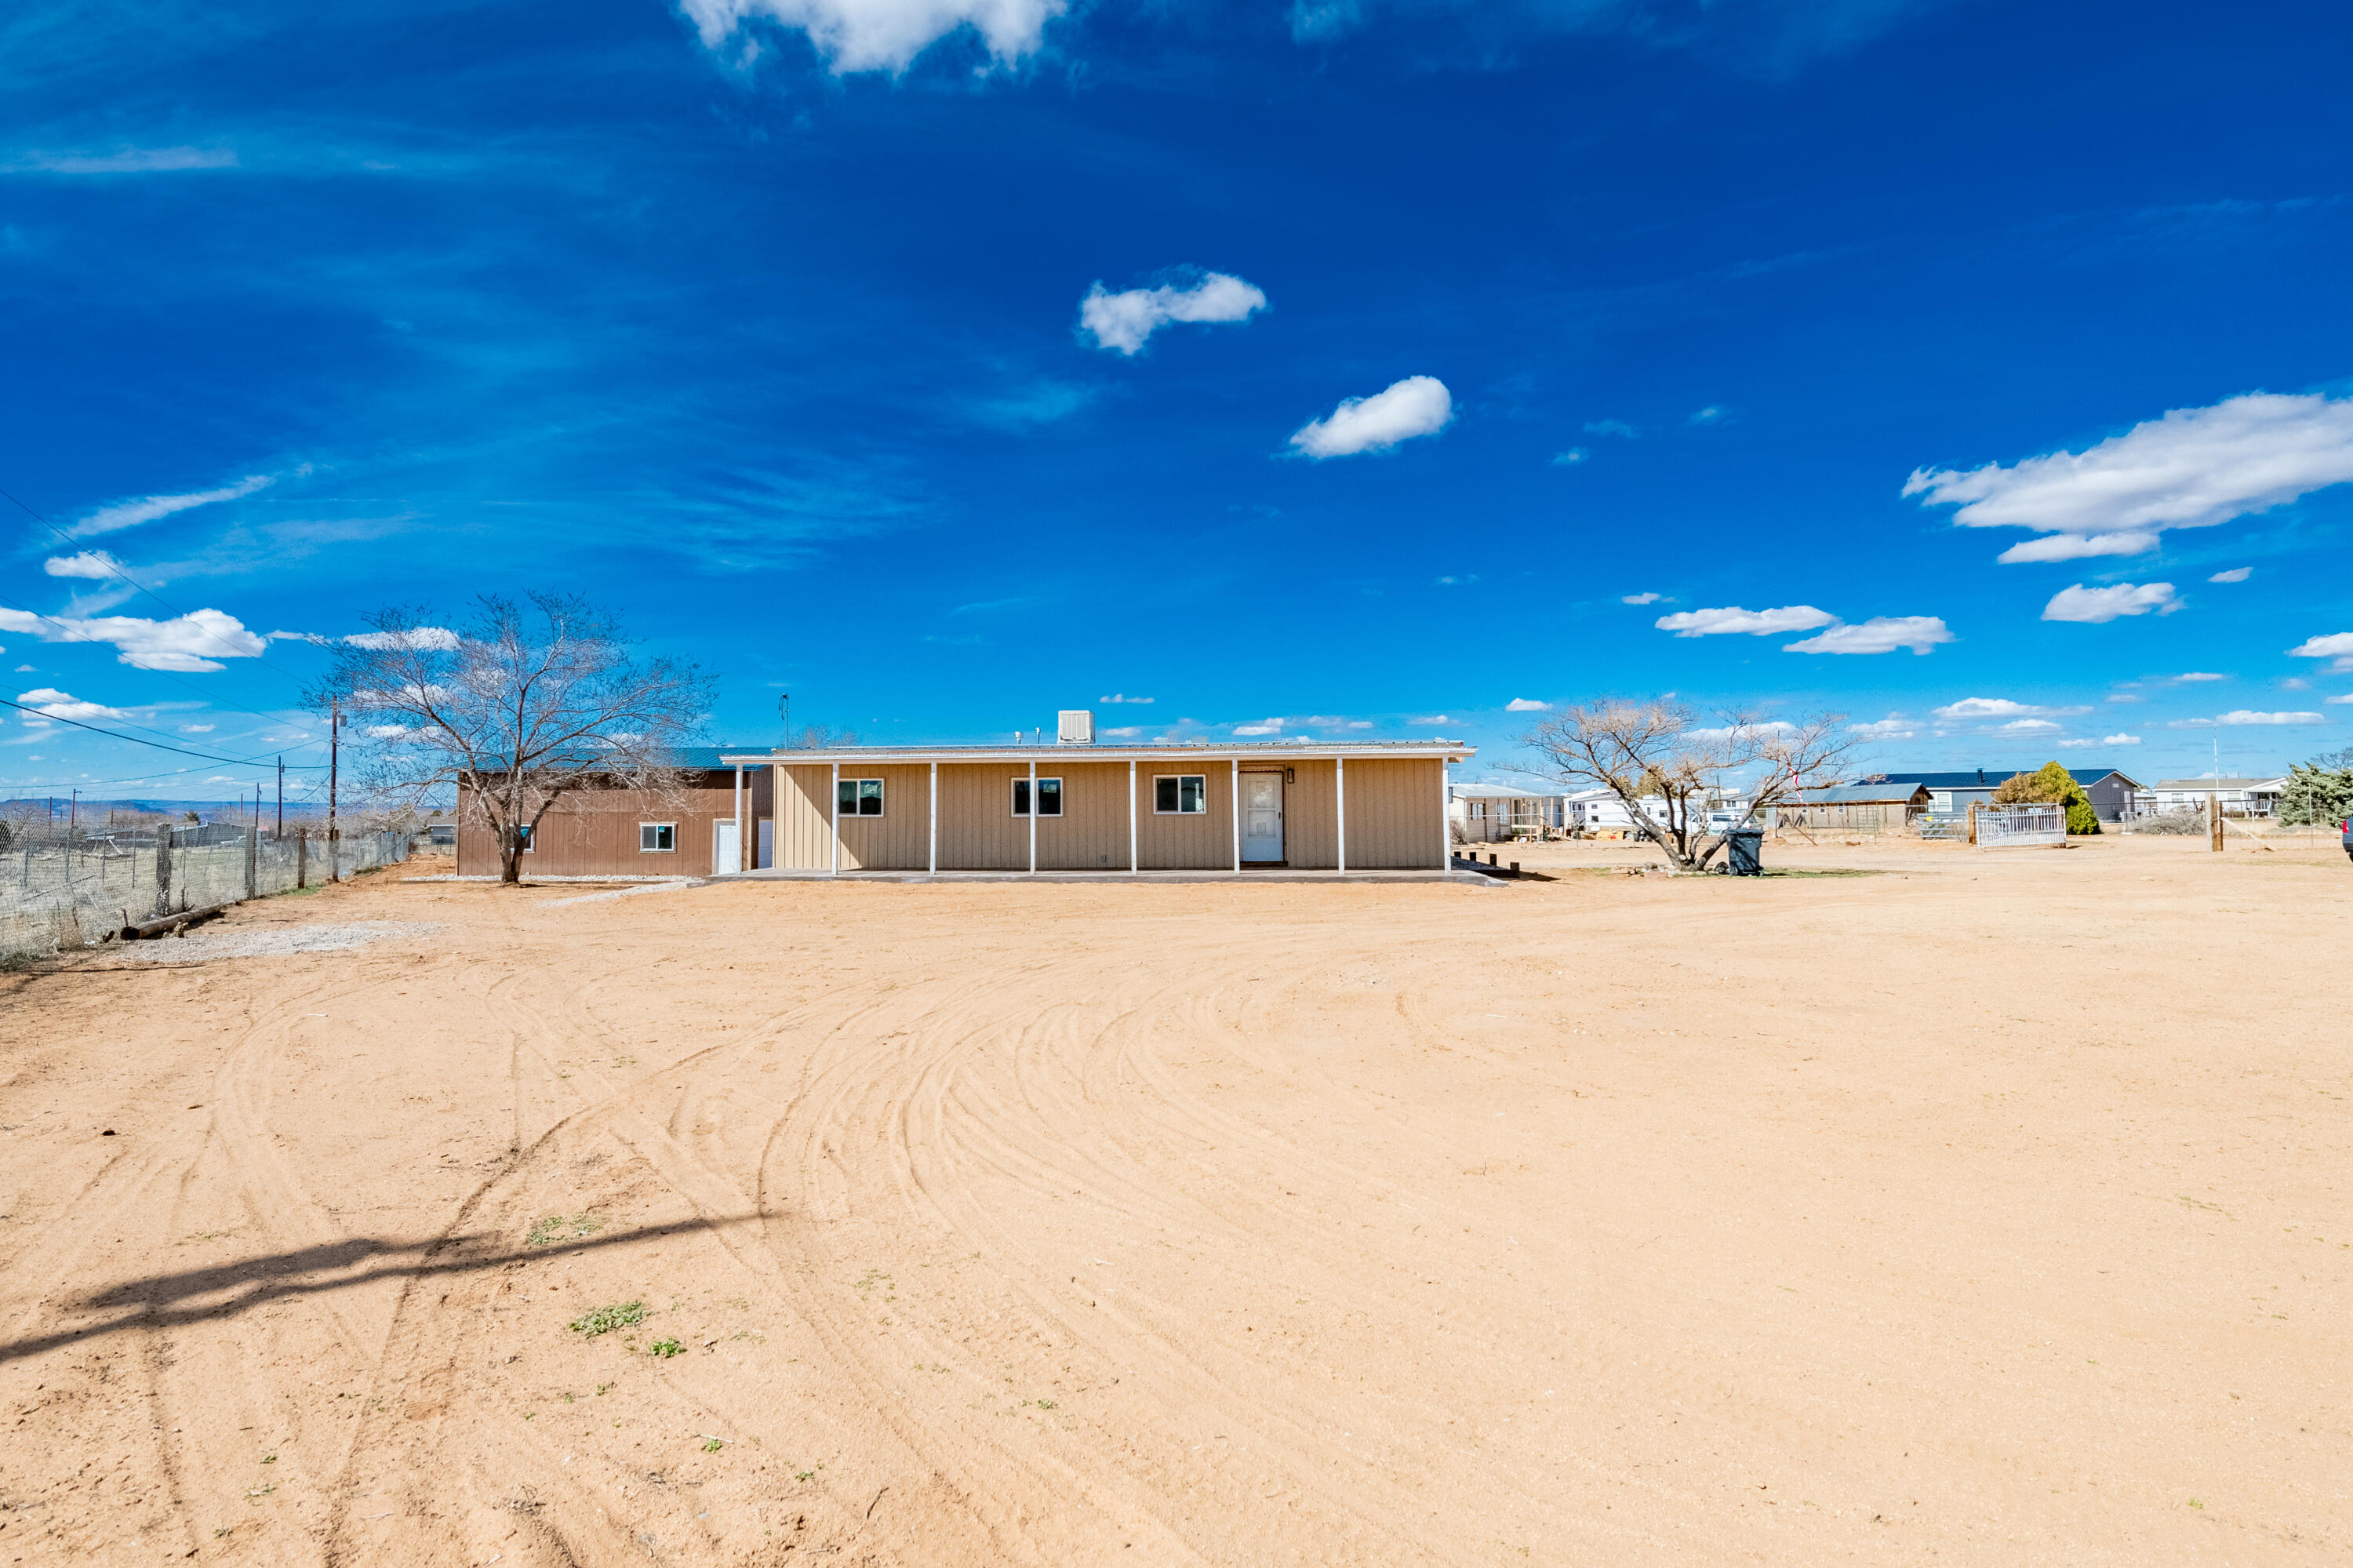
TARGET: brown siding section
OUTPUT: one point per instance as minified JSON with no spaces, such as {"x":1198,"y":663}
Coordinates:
{"x":594,"y":832}
{"x":1395,"y":821}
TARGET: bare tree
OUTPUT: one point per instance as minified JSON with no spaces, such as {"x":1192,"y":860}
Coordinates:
{"x":529,"y":703}
{"x":1645,"y":752}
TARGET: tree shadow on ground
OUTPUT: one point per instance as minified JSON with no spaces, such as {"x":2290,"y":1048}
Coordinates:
{"x":163,"y":1301}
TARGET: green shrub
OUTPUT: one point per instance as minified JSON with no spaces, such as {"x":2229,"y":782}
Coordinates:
{"x":605,"y":1320}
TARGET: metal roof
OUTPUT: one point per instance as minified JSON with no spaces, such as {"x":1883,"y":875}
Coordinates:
{"x":1895,"y":792}
{"x":2201,"y":786}
{"x":1992,"y":778}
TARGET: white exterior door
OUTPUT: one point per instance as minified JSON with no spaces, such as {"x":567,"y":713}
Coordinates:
{"x":1261,"y":816}
{"x":726,"y":848}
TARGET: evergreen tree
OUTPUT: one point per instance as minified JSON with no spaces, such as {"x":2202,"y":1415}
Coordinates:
{"x":2319,"y":792}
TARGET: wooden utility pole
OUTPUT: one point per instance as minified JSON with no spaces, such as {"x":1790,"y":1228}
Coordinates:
{"x":334,"y":764}
{"x":281,"y":800}
{"x":2214,"y":821}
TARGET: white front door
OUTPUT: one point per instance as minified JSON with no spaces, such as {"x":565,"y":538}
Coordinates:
{"x":726,"y":848}
{"x":1261,"y":816}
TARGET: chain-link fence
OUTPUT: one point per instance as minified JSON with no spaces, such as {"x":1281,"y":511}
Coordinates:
{"x":56,"y":896}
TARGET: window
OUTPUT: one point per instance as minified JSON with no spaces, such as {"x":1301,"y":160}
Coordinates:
{"x":524,"y":835}
{"x":1049,"y":797}
{"x":1180,"y":794}
{"x":859,"y":798}
{"x":656,"y":838}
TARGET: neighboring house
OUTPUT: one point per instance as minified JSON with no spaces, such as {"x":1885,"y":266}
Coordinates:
{"x":1595,"y":810}
{"x":2240,"y":797}
{"x":1882,"y":808}
{"x":1492,"y":813}
{"x":2113,"y":794}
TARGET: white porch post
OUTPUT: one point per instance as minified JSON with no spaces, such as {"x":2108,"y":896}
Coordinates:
{"x":1445,"y":839}
{"x":1340,"y":790}
{"x":739,"y":817}
{"x":833,"y":810}
{"x":1033,"y":816}
{"x":1134,"y":866}
{"x":933,"y":862}
{"x":1238,"y":816}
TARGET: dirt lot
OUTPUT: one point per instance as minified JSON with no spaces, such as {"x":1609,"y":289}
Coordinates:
{"x":1995,"y":1208}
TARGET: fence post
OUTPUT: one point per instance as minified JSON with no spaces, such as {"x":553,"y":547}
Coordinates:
{"x":1973,"y":821}
{"x":252,"y":853}
{"x":164,"y":871}
{"x":2214,"y":821}
{"x":302,"y":858}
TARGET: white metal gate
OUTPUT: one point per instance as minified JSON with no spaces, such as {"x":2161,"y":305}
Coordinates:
{"x":2020,"y":827}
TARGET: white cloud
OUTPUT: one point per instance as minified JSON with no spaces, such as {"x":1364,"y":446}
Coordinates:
{"x":1525,"y":705}
{"x":2125,"y":697}
{"x":1895,"y":726}
{"x":882,"y":35}
{"x":1988,"y":707}
{"x":2235,"y":575}
{"x":1433,"y":718}
{"x":1618,"y":428}
{"x":2192,"y":468}
{"x":146,"y":509}
{"x":1264,"y":727}
{"x":92,"y":564}
{"x":1573,"y":455}
{"x":54,"y":704}
{"x":2335,"y":701}
{"x":128,"y":161}
{"x":2076,"y":547}
{"x":1771,"y":727}
{"x":1638,"y":598}
{"x":2238,"y":716}
{"x":1417,"y":405}
{"x":2296,"y":683}
{"x":2335,"y":645}
{"x":2025,"y":726}
{"x":1752,"y":622}
{"x":1708,"y":416}
{"x":1123,"y":697}
{"x":1880,"y":634}
{"x":190,"y":644}
{"x":2200,"y":675}
{"x":197,"y":728}
{"x":1125,"y":731}
{"x":429,"y":639}
{"x":1126,"y":320}
{"x":2120,"y":740}
{"x":2098,"y":606}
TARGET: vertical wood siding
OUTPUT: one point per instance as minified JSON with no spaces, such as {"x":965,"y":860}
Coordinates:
{"x":1396,"y":820}
{"x":594,"y":832}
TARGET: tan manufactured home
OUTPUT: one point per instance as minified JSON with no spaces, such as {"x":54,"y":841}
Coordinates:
{"x":1077,"y":807}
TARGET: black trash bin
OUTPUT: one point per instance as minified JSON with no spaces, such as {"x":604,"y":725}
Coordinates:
{"x":1748,"y":847}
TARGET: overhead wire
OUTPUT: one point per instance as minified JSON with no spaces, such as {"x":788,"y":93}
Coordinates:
{"x":160,"y":745}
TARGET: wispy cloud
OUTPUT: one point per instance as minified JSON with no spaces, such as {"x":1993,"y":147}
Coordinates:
{"x":2238,"y":716}
{"x":1263,"y":726}
{"x":1998,"y":707}
{"x":2200,"y":675}
{"x":1880,"y":634}
{"x":1123,"y":322}
{"x":1573,"y":456}
{"x":2077,"y":547}
{"x":2120,"y":738}
{"x":2235,"y":575}
{"x":1895,"y":726}
{"x":2191,"y":468}
{"x":124,"y":514}
{"x":1527,"y":706}
{"x":1618,"y":429}
{"x":1123,"y":697}
{"x":2100,"y":605}
{"x":1417,"y":405}
{"x":1638,"y":598}
{"x":1730,"y":619}
{"x":124,"y":161}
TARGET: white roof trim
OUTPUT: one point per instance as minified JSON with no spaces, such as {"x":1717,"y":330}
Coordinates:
{"x":1284,"y":752}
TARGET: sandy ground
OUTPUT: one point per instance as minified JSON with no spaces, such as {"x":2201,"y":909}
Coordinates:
{"x":1996,"y":1208}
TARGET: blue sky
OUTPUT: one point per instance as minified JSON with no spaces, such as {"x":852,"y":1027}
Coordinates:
{"x":768,"y":322}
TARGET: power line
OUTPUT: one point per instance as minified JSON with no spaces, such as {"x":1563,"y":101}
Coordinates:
{"x":107,"y":562}
{"x":208,"y":756}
